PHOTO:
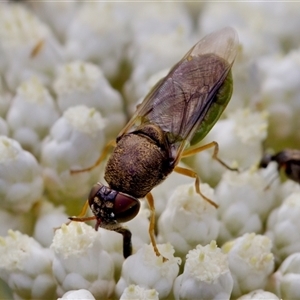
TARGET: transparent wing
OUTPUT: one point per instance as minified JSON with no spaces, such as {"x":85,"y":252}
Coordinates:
{"x":180,"y":101}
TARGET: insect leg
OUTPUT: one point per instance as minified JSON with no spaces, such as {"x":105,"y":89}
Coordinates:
{"x":150,"y":200}
{"x":37,"y":48}
{"x":81,"y":217}
{"x":127,"y":246}
{"x":99,"y":160}
{"x":193,"y":174}
{"x":214,"y":144}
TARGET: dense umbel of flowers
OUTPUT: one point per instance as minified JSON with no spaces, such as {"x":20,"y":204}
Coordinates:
{"x":71,"y":75}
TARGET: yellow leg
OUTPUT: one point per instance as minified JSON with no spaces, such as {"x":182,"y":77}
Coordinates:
{"x":99,"y":160}
{"x":150,"y":200}
{"x":37,"y":48}
{"x":214,"y":144}
{"x":81,"y":217}
{"x":191,"y":173}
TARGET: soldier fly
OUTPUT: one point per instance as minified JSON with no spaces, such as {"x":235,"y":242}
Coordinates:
{"x":177,"y":113}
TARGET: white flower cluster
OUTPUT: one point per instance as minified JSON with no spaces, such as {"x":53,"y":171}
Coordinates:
{"x":189,"y":220}
{"x":78,"y":248}
{"x":206,"y":274}
{"x":71,"y":74}
{"x":26,"y":267}
{"x":136,"y":292}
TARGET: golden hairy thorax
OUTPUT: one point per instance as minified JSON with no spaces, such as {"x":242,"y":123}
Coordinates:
{"x":139,"y":162}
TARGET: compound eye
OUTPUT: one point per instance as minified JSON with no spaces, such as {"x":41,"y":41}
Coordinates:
{"x":125,"y":207}
{"x":95,"y":189}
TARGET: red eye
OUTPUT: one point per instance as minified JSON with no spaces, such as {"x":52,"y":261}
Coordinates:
{"x":125,"y":207}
